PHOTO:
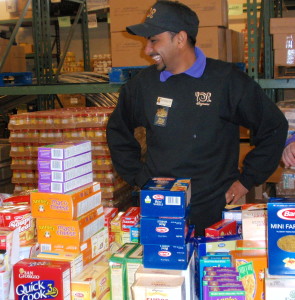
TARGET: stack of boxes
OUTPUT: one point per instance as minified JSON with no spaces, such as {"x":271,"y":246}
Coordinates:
{"x":283,"y":33}
{"x":68,"y":212}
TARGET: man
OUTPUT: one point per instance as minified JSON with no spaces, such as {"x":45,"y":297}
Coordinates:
{"x":288,"y":156}
{"x":192,"y":107}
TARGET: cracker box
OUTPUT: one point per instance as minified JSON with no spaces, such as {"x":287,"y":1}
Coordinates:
{"x":6,"y":235}
{"x":69,"y":235}
{"x":165,"y":197}
{"x":217,"y":293}
{"x":254,"y":221}
{"x":279,"y":287}
{"x":251,"y":265}
{"x":19,"y":216}
{"x":170,"y":231}
{"x":93,"y":283}
{"x":109,"y":214}
{"x":208,"y":284}
{"x":130,"y":218}
{"x":42,"y":279}
{"x":221,"y":228}
{"x":64,"y":187}
{"x":63,"y":150}
{"x":281,"y":237}
{"x":70,"y":205}
{"x":64,"y":164}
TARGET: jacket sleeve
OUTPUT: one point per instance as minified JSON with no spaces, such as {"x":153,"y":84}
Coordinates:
{"x":253,"y":109}
{"x":124,"y":148}
{"x":290,"y":140}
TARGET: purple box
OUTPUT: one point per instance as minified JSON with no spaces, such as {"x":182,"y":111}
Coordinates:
{"x":64,"y":187}
{"x":224,"y":269}
{"x":218,"y":293}
{"x":63,"y":150}
{"x":63,"y":176}
{"x":208,"y":284}
{"x":64,"y":164}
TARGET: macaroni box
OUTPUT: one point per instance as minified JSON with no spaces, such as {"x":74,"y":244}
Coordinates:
{"x":170,"y":231}
{"x":281,"y":237}
{"x":68,"y":235}
{"x":70,"y":205}
{"x":63,"y":150}
{"x":64,"y":187}
{"x":64,"y":164}
{"x":130,"y":218}
{"x":165,"y":197}
{"x":221,"y":228}
{"x":42,"y":279}
{"x":251,"y":265}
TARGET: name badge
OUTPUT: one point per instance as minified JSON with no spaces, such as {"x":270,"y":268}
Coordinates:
{"x":164,"y":102}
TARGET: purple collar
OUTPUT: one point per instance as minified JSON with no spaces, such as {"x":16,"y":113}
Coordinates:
{"x":196,"y":70}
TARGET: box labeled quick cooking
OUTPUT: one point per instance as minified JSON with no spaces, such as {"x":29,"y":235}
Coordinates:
{"x":63,"y":150}
{"x":165,"y":197}
{"x":170,"y":231}
{"x":281,"y":237}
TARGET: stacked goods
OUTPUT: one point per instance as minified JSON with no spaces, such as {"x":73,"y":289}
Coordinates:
{"x":29,"y":131}
{"x":102,"y":63}
{"x":71,"y":65}
{"x":69,"y":213}
{"x":283,"y":33}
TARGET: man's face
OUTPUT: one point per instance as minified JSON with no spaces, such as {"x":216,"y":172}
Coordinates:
{"x":162,"y":48}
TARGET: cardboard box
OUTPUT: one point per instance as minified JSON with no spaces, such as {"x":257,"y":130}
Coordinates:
{"x":71,"y":205}
{"x":128,"y":12}
{"x":284,"y":57}
{"x":69,"y":235}
{"x":282,"y":25}
{"x":130,"y":218}
{"x":212,"y":41}
{"x":210,"y":12}
{"x":15,"y":61}
{"x":222,"y":228}
{"x":251,"y":265}
{"x":284,"y":40}
{"x":165,"y":197}
{"x":73,"y":100}
{"x":128,"y":50}
{"x":54,"y":278}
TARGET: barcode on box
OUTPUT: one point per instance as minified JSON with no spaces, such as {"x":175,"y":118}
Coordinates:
{"x":172,"y":200}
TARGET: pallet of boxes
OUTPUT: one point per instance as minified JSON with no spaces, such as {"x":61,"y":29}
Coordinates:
{"x":70,"y":229}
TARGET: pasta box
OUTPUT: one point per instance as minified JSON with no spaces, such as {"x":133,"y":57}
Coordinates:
{"x":165,"y":197}
{"x":42,"y":279}
{"x":281,"y":237}
{"x":171,"y":231}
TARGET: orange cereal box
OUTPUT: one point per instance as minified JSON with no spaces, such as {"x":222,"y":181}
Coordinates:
{"x":69,"y":235}
{"x":42,"y":279}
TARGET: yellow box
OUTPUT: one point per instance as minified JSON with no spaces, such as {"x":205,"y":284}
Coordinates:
{"x":69,"y":206}
{"x":69,"y":235}
{"x":116,"y":223}
{"x":93,"y":283}
{"x":251,"y":265}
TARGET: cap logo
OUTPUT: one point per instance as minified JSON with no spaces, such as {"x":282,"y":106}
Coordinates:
{"x":151,"y":13}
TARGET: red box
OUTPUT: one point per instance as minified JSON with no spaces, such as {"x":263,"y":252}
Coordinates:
{"x":6,"y":235}
{"x":109,"y":214}
{"x":221,"y":228}
{"x":42,"y":279}
{"x":19,"y":216}
{"x":130,"y":218}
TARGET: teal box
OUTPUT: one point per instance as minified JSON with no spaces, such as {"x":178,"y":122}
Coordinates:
{"x":165,"y":197}
{"x":135,"y":233}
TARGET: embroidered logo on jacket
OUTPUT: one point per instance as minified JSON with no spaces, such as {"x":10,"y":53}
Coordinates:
{"x":203,"y":98}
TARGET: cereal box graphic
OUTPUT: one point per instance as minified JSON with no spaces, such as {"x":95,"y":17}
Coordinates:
{"x":42,"y":279}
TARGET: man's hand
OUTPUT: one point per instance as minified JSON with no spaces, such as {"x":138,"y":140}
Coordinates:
{"x":288,"y":156}
{"x":235,"y":192}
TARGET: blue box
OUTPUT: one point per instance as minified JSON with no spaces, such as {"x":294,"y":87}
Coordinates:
{"x":168,"y":231}
{"x":165,"y":197}
{"x":281,"y":233}
{"x":173,"y":257}
{"x":135,"y":233}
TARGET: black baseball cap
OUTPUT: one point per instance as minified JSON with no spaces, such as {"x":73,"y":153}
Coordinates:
{"x":167,"y":16}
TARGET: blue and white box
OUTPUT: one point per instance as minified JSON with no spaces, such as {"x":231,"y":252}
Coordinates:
{"x":281,"y":237}
{"x":165,"y":197}
{"x":170,"y":231}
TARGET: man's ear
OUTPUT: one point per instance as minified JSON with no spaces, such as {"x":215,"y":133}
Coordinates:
{"x":182,"y":38}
